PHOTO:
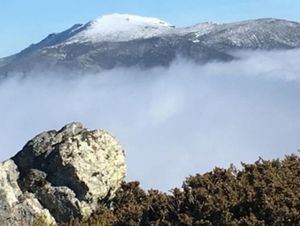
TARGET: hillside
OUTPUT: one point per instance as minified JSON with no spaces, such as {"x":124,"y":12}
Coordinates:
{"x":76,"y":176}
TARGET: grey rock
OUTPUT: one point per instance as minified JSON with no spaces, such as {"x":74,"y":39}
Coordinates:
{"x":61,"y":175}
{"x":60,"y":201}
{"x":17,"y":207}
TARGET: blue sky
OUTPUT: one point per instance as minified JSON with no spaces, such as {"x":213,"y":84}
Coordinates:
{"x":26,"y":22}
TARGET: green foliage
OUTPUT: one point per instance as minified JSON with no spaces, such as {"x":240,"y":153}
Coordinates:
{"x":263,"y":193}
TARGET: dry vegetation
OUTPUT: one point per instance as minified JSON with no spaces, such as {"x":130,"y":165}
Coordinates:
{"x":263,"y":193}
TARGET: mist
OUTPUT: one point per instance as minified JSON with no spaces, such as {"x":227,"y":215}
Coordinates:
{"x":173,"y":122}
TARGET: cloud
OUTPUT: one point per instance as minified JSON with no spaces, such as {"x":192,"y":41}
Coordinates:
{"x":173,"y":121}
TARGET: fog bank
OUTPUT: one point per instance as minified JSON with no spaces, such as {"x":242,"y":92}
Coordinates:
{"x":172,"y":122}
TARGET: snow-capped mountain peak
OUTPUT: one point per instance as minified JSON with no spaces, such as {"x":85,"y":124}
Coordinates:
{"x":121,"y":27}
{"x":121,"y":40}
{"x":118,"y":22}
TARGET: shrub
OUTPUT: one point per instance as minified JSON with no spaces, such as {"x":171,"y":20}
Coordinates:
{"x":263,"y":193}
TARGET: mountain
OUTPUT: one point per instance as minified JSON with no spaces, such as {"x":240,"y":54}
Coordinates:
{"x":121,"y":40}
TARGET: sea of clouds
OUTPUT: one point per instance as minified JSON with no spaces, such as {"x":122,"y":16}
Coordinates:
{"x":172,"y":122}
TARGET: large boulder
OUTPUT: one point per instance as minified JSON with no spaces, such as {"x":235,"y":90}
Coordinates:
{"x":67,"y":173}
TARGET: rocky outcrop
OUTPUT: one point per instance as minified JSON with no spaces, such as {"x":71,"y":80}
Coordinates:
{"x":60,"y":175}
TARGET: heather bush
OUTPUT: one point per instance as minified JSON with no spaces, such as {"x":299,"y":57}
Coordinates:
{"x":263,"y":193}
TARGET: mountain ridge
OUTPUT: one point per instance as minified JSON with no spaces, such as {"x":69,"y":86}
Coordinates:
{"x":122,"y":40}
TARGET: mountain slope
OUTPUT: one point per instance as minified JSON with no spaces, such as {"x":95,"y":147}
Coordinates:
{"x":121,"y":40}
{"x":255,"y":34}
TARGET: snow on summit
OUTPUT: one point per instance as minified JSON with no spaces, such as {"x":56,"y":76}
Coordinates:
{"x":121,"y":27}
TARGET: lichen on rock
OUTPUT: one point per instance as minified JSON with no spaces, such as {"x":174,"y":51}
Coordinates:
{"x":66,"y":172}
